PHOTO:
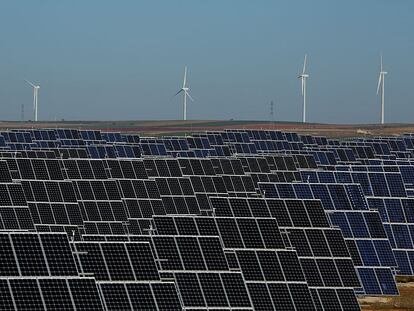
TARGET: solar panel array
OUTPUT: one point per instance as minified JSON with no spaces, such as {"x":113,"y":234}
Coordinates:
{"x":224,"y":220}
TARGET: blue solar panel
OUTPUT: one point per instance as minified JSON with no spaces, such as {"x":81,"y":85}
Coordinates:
{"x":387,"y":282}
{"x":347,"y":209}
{"x":369,"y":281}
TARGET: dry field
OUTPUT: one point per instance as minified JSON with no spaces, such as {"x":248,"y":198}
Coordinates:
{"x":405,"y":301}
{"x":170,"y":127}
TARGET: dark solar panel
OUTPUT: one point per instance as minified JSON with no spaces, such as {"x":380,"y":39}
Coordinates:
{"x":26,"y":294}
{"x":56,"y":295}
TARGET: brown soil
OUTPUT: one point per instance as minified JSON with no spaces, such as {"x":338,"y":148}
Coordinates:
{"x":405,"y":301}
{"x":155,"y":128}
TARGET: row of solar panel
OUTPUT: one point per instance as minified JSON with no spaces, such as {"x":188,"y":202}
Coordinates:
{"x":93,"y":195}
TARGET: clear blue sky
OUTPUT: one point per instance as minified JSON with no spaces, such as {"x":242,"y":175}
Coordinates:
{"x":125,"y":59}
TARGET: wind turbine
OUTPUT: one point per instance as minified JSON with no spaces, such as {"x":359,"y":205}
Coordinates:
{"x":303,"y":78}
{"x":185,"y":90}
{"x":35,"y":97}
{"x":381,"y":81}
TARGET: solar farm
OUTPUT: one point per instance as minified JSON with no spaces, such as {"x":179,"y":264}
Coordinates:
{"x":232,"y":219}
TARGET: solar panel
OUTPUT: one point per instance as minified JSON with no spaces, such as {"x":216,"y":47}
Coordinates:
{"x":85,"y":294}
{"x":191,"y":213}
{"x":56,"y":295}
{"x":356,"y":223}
{"x":397,"y":218}
{"x":26,"y":294}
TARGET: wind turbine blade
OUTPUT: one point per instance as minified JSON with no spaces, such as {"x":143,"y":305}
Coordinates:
{"x":178,"y":92}
{"x":30,"y":82}
{"x":185,"y":76}
{"x":304,"y":64}
{"x":189,"y":96}
{"x":379,"y":83}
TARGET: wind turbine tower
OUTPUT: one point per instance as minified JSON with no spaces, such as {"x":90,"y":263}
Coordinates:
{"x":185,"y":90}
{"x":381,"y":82}
{"x":303,"y":78}
{"x":35,"y":99}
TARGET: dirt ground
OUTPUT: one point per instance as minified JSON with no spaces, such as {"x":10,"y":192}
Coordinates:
{"x":405,"y":301}
{"x":173,"y":127}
